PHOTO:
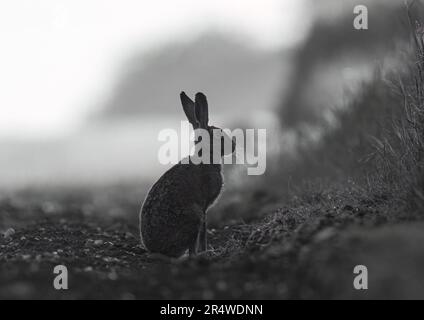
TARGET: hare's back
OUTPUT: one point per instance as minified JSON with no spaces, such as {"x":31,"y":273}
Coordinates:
{"x":179,"y":186}
{"x":169,"y":199}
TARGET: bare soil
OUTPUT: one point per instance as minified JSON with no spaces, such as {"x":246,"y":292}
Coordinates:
{"x":306,"y":250}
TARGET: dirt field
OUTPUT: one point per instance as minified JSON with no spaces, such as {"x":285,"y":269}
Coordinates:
{"x":299,"y":251}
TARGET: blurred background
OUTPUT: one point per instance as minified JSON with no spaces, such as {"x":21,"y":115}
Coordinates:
{"x":87,"y":86}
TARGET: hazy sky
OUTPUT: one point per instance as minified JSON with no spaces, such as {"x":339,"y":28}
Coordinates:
{"x":58,"y":58}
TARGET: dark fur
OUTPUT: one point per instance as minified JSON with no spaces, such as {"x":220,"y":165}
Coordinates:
{"x":175,"y":209}
{"x":173,"y":216}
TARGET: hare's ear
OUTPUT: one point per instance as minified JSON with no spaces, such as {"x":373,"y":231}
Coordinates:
{"x":201,"y":107}
{"x":189,"y":109}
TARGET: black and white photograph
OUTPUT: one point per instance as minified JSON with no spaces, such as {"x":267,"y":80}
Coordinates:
{"x":220,"y":153}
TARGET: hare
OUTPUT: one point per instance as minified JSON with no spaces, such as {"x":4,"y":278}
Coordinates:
{"x":173,"y":215}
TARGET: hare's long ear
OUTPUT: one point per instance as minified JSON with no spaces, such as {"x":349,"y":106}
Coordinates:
{"x":189,"y":109}
{"x":201,"y":107}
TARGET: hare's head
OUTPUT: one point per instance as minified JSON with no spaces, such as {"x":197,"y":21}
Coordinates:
{"x":198,"y":115}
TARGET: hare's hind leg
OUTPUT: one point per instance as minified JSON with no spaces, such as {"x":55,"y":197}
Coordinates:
{"x":203,"y":241}
{"x":192,"y":251}
{"x":193,"y":226}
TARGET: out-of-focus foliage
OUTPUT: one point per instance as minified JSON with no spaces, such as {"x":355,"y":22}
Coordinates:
{"x":335,"y":55}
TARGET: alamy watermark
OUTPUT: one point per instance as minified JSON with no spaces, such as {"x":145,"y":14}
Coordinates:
{"x":360,"y":282}
{"x":60,"y":282}
{"x":360,"y":22}
{"x":214,"y":146}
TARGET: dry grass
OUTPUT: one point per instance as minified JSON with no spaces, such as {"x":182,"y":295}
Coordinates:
{"x":399,"y":154}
